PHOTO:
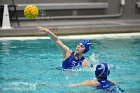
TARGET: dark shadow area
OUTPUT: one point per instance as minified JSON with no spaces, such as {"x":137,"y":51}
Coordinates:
{"x":1,"y":15}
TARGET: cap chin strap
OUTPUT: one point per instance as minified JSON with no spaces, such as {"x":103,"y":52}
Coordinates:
{"x":77,"y":55}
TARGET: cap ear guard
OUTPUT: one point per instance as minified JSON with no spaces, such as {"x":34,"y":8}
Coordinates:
{"x":102,"y":70}
{"x":96,"y":73}
{"x":87,"y":44}
{"x":108,"y":72}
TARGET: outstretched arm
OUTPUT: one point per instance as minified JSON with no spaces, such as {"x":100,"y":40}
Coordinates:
{"x":70,"y":85}
{"x":84,"y":83}
{"x":64,"y":48}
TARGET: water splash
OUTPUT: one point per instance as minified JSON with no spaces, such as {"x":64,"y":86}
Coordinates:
{"x":93,"y":59}
{"x":18,"y":86}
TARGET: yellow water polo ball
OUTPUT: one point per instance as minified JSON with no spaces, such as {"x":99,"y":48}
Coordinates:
{"x":31,"y":11}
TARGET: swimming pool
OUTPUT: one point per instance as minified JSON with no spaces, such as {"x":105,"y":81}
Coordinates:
{"x":24,"y":63}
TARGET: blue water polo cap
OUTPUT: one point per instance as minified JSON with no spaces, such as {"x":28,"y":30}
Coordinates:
{"x":102,"y":70}
{"x":87,"y":44}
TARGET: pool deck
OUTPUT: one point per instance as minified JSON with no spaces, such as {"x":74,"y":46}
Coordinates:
{"x":71,"y":37}
{"x":74,"y":27}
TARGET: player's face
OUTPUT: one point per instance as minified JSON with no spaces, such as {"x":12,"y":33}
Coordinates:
{"x":80,"y":48}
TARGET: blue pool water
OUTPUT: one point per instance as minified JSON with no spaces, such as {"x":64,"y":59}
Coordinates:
{"x":26,"y":64}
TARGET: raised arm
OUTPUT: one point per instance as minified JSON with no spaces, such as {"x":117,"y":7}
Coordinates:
{"x":64,"y":48}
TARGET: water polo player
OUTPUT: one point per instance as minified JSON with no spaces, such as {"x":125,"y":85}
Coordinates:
{"x":70,"y":59}
{"x":101,"y":82}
